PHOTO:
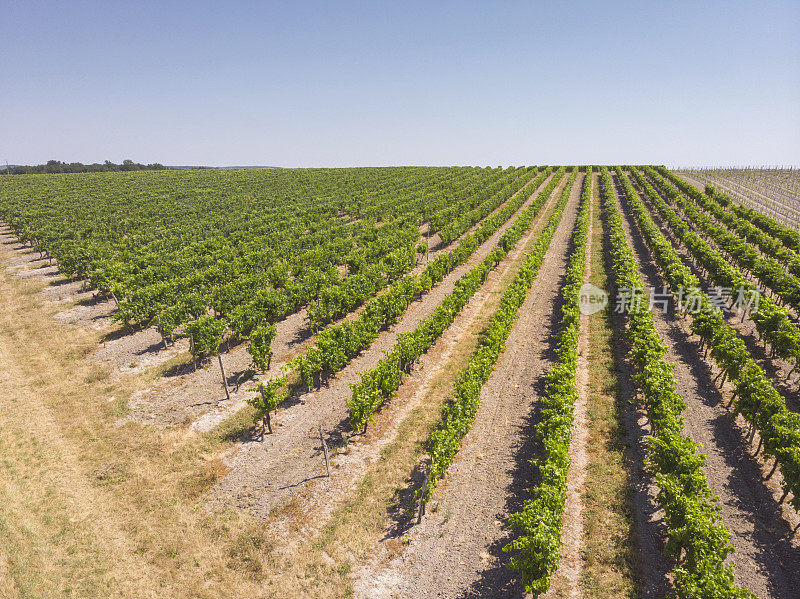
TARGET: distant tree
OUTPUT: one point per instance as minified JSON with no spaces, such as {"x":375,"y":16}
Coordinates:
{"x":56,"y":166}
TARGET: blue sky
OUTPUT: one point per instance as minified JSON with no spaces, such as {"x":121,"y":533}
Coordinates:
{"x":384,"y":83}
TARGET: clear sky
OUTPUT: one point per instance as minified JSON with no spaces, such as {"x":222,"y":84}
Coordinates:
{"x":390,"y":83}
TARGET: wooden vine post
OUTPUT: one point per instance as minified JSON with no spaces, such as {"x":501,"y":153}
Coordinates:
{"x":325,"y":450}
{"x":267,"y":420}
{"x":421,"y":509}
{"x":191,"y":350}
{"x":224,"y":378}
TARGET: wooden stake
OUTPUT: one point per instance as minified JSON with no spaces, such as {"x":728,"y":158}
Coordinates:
{"x":325,"y":449}
{"x":421,"y":511}
{"x":266,"y":421}
{"x":224,"y":378}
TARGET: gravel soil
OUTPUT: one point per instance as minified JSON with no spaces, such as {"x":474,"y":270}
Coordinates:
{"x":197,"y":398}
{"x":766,"y":560}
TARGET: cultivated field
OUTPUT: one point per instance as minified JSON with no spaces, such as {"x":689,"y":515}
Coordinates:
{"x":400,"y":382}
{"x":773,"y":191}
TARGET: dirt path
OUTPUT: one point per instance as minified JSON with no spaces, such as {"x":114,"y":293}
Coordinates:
{"x":621,"y":548}
{"x":457,"y":550}
{"x":650,"y":563}
{"x":766,"y":559}
{"x":265,"y":474}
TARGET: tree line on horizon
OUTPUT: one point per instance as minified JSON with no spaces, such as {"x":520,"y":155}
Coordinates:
{"x":56,"y":166}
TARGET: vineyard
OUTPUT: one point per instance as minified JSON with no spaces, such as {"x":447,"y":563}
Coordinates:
{"x":577,"y":381}
{"x":772,"y":191}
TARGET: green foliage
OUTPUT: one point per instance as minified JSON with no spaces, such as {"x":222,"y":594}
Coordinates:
{"x":269,"y":395}
{"x":379,"y":385}
{"x":256,"y":246}
{"x":339,"y":343}
{"x":779,"y":266}
{"x":789,"y":237}
{"x":259,"y":347}
{"x":207,"y":334}
{"x":56,"y":166}
{"x":757,"y":399}
{"x":696,"y":537}
{"x":537,"y":548}
{"x":252,"y":246}
{"x":459,"y":412}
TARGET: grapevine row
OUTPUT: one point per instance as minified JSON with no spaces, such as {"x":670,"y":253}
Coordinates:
{"x":335,"y":346}
{"x":772,"y":321}
{"x":333,"y":301}
{"x":178,"y":248}
{"x":715,"y":203}
{"x":697,"y":539}
{"x":253,"y":319}
{"x":537,"y":549}
{"x":755,"y":397}
{"x":459,"y":412}
{"x":455,"y":228}
{"x":336,"y":301}
{"x":789,"y":237}
{"x":768,"y":270}
{"x":379,"y":384}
